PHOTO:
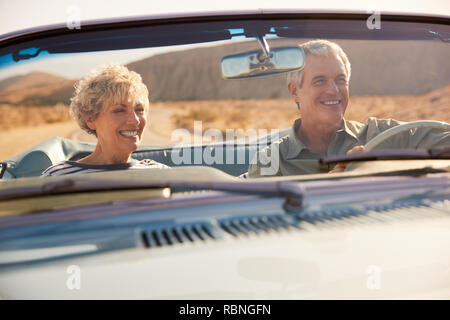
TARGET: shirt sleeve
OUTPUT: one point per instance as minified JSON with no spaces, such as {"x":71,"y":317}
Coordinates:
{"x":55,"y":169}
{"x":417,"y":138}
{"x":264,"y":164}
{"x":426,"y":138}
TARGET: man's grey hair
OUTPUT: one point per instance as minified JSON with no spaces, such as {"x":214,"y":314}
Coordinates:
{"x":322,"y":48}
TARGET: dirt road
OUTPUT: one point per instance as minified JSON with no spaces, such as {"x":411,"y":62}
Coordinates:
{"x":237,"y":114}
{"x":12,"y":142}
{"x":159,"y":127}
{"x":18,"y":140}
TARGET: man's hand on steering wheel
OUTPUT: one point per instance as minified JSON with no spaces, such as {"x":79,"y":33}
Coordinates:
{"x":341,"y":166}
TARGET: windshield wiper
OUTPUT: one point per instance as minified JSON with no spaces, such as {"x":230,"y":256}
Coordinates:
{"x":443,"y":37}
{"x":399,"y":154}
{"x":293,"y":192}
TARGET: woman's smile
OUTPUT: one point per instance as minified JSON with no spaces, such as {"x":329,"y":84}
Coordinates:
{"x":129,"y":134}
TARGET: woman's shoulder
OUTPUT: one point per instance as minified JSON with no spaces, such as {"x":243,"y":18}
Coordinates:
{"x":68,"y":167}
{"x":59,"y":168}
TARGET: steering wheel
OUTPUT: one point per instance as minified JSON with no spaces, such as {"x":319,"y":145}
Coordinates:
{"x":383,"y":136}
{"x":405,"y":127}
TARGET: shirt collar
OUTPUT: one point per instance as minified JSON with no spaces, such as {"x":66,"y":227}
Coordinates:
{"x":295,"y":146}
{"x":345,"y":128}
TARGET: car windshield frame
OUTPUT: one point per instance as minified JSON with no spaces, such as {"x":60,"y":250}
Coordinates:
{"x":129,"y":35}
{"x":97,"y":37}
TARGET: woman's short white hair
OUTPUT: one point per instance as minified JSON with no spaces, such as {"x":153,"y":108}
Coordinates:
{"x":322,"y":48}
{"x":110,"y":83}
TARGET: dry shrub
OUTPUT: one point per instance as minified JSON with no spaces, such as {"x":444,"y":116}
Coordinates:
{"x":404,"y":108}
{"x":280,"y":113}
{"x":27,"y":116}
{"x":186,"y":119}
{"x":252,"y":113}
{"x":234,"y":114}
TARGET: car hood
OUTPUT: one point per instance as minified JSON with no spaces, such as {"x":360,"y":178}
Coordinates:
{"x":311,"y":264}
{"x":302,"y":255}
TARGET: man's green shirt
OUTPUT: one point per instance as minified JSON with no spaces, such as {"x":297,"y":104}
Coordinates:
{"x":295,"y":158}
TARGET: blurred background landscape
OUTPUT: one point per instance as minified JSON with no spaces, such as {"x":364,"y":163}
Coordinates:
{"x":389,"y":80}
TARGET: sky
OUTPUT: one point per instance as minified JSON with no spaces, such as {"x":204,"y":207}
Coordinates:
{"x":19,"y":15}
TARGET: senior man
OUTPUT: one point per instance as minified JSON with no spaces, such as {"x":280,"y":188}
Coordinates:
{"x":321,"y":92}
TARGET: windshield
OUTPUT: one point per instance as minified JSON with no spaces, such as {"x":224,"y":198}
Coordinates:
{"x":356,"y":79}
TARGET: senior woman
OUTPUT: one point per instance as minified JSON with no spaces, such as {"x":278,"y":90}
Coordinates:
{"x":112,"y":104}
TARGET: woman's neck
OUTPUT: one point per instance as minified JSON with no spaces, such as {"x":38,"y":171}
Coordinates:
{"x":100,"y":157}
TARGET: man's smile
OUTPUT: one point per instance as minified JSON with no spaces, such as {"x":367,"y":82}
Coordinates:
{"x":330,"y":102}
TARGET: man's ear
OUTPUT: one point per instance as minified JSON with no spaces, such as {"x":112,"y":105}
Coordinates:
{"x":292,"y":88}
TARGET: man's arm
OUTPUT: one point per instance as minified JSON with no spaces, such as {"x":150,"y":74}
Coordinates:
{"x":419,"y":138}
{"x":264,"y":164}
{"x":426,"y":138}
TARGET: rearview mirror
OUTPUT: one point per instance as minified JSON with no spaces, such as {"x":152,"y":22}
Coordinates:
{"x":257,"y":64}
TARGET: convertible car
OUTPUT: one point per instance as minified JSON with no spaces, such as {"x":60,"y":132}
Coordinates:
{"x":205,"y":228}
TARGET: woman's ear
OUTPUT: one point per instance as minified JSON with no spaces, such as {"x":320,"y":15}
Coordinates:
{"x":91,"y":124}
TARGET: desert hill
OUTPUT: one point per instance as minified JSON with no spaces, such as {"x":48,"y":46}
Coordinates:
{"x":378,"y":68}
{"x":36,"y":88}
